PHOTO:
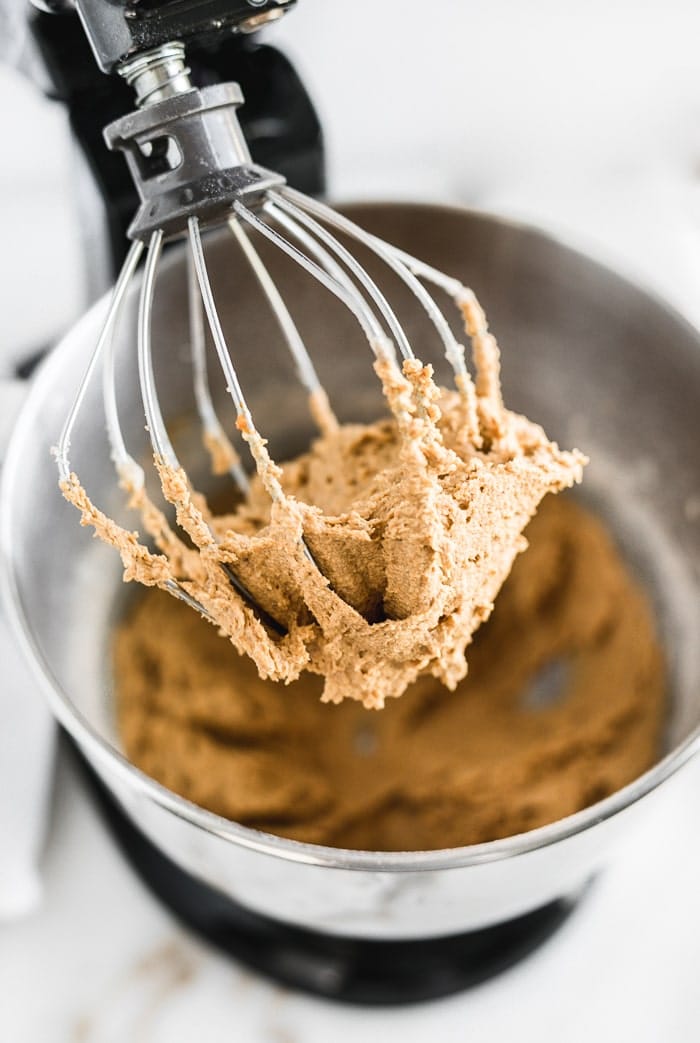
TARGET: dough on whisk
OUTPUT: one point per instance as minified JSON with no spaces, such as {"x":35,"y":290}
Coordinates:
{"x":387,"y":545}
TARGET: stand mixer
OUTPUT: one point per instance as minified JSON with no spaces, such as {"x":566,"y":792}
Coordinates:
{"x":364,"y":923}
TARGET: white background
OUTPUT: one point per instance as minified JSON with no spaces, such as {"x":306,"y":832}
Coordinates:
{"x":584,"y":117}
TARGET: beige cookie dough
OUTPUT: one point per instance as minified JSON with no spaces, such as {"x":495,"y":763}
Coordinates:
{"x":563,"y":705}
{"x":380,"y":551}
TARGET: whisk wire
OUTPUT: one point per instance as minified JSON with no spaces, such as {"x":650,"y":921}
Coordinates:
{"x":162,"y":445}
{"x":353,"y":300}
{"x":114,"y":308}
{"x":128,"y":470}
{"x":353,"y":265}
{"x":451,"y":286}
{"x":214,"y":433}
{"x":454,"y":351}
{"x":245,"y":422}
{"x":311,"y":245}
{"x":305,"y":367}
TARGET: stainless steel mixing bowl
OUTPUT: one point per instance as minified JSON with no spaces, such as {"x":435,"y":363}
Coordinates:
{"x":599,"y":362}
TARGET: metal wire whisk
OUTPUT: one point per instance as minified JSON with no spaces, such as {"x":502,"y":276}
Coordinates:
{"x":193,"y":171}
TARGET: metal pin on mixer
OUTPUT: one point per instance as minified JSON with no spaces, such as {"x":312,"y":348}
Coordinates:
{"x":193,"y":171}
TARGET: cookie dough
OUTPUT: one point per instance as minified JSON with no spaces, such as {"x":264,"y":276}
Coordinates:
{"x":379,"y":552}
{"x":563,"y":705}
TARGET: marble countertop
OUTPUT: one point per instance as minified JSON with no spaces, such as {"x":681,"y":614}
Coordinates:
{"x":614,"y":160}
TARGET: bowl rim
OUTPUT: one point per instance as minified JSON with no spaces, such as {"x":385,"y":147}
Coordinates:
{"x":100,"y":751}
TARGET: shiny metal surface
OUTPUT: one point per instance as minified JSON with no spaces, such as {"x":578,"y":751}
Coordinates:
{"x":597,"y":361}
{"x":157,"y":74}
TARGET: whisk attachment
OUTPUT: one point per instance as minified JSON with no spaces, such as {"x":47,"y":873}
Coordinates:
{"x":193,"y":171}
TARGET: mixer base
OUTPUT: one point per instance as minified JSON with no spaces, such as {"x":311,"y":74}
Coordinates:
{"x":349,"y":970}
